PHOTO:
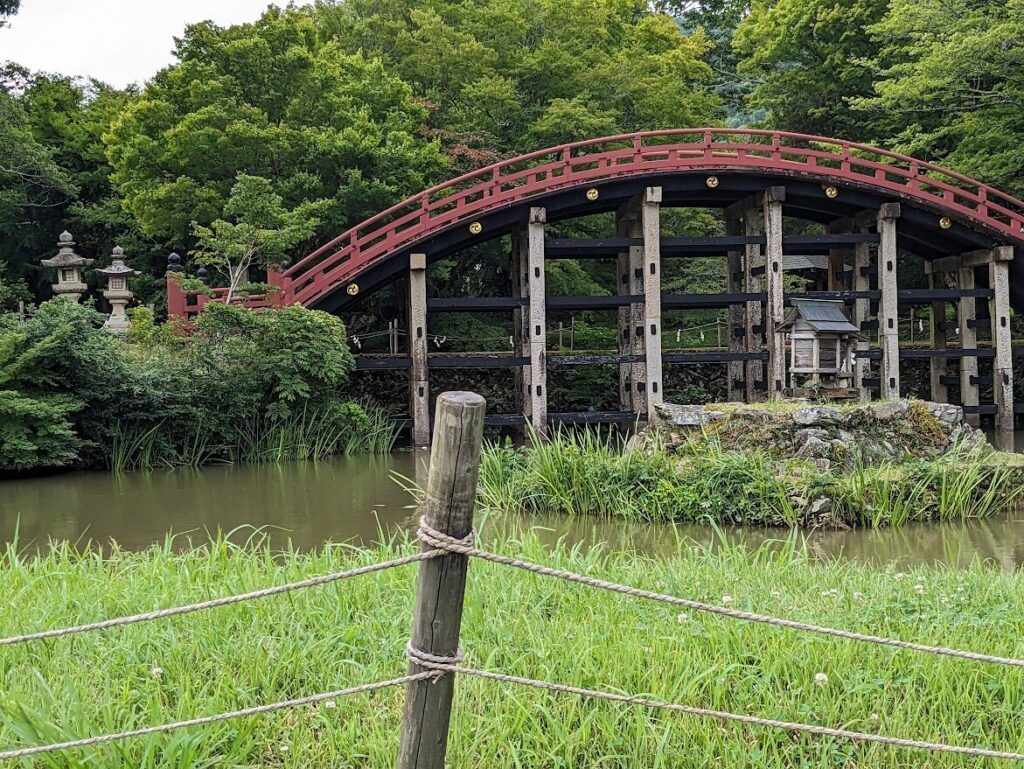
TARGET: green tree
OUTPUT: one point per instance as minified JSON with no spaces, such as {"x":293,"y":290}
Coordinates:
{"x":272,"y":362}
{"x":270,"y":99}
{"x":259,"y":233}
{"x":810,"y":59}
{"x":951,"y":86}
{"x":57,"y":177}
{"x":8,"y":8}
{"x":504,"y":77}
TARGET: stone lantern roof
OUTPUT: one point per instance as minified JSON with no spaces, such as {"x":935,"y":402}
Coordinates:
{"x":117,"y":268}
{"x":66,"y":256}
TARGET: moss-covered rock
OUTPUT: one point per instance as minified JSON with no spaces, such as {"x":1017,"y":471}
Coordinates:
{"x":833,"y":437}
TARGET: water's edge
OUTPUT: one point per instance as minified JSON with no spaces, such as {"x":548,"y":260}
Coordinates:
{"x":362,"y":499}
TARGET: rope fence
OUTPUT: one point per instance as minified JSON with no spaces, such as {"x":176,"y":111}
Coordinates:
{"x":433,"y":652}
{"x":224,"y":601}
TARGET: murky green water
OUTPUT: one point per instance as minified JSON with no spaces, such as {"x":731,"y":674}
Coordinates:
{"x":358,"y":499}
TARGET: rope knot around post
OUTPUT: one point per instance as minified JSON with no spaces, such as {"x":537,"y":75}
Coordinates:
{"x":438,"y":663}
{"x":438,"y":539}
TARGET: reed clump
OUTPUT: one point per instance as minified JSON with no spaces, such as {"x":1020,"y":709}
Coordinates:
{"x":591,"y":472}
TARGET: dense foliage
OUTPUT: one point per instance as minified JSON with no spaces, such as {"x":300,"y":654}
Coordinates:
{"x":264,"y":139}
{"x":354,"y":104}
{"x":245,"y":385}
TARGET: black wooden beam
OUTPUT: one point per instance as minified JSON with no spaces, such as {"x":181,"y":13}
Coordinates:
{"x":504,"y":420}
{"x":474,"y":303}
{"x":928,"y":295}
{"x":476,"y":361}
{"x":844,"y":296}
{"x":592,"y":360}
{"x":713,"y":245}
{"x":696,"y":301}
{"x":831,"y":239}
{"x":711,"y":357}
{"x":989,"y":409}
{"x":591,"y":302}
{"x":595,"y":417}
{"x":581,"y":248}
{"x":947,"y":352}
{"x":366,"y":363}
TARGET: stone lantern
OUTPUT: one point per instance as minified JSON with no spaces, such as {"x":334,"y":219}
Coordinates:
{"x":117,"y":292}
{"x":69,"y":267}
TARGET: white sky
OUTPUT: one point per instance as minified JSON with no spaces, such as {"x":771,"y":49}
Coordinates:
{"x":116,"y":41}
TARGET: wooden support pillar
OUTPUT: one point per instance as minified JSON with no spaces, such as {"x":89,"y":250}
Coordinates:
{"x":1002,"y":369}
{"x":632,"y":376}
{"x":888,"y":308}
{"x":419,"y":376}
{"x":753,"y":313}
{"x":773,"y":199}
{"x":838,"y":257}
{"x":938,"y":367}
{"x":441,"y":585}
{"x":736,"y":328}
{"x":967,"y":315}
{"x":651,"y":226}
{"x":861,"y":313}
{"x":531,"y":320}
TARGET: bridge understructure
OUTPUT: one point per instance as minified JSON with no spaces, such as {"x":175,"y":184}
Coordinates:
{"x":868,"y":207}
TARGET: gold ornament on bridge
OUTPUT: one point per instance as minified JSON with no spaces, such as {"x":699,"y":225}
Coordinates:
{"x":945,"y":222}
{"x":831,"y":191}
{"x":476,"y":228}
{"x":711,"y":181}
{"x":352,"y":289}
{"x":593,"y":194}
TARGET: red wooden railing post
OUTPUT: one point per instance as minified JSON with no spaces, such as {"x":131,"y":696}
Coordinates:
{"x":175,"y":296}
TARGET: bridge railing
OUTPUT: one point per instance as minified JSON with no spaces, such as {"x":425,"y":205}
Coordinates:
{"x":690,"y":149}
{"x":433,"y":652}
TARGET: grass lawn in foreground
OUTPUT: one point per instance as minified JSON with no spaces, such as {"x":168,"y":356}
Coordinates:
{"x":354,"y":632}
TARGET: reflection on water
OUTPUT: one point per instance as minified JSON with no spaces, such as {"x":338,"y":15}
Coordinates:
{"x":357,"y":499}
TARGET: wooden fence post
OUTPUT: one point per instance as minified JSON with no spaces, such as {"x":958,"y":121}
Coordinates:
{"x":451,"y":496}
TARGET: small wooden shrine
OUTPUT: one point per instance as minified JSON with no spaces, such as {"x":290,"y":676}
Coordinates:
{"x":821,"y":340}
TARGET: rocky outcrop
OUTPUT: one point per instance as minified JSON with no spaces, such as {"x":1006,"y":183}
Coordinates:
{"x":670,"y":415}
{"x":832,"y":437}
{"x":814,"y":446}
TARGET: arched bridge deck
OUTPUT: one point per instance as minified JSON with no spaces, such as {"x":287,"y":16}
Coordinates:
{"x":870,"y":199}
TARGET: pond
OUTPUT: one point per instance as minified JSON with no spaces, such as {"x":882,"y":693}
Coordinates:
{"x":360,"y":499}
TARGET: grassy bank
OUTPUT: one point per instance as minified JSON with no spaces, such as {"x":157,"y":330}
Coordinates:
{"x":588,"y":472}
{"x":354,"y":632}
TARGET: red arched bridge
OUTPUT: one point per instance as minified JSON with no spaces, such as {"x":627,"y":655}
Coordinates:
{"x":869,"y":202}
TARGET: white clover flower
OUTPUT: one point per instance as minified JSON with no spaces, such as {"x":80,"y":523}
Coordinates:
{"x":330,"y":704}
{"x":857,"y":596}
{"x":820,"y":679}
{"x":284,"y":748}
{"x":727,"y":599}
{"x":776,"y":594}
{"x":919,"y":588}
{"x":874,"y":716}
{"x":156,"y":672}
{"x":682,"y":617}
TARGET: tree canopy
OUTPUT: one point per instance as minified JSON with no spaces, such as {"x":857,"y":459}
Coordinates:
{"x":360,"y":103}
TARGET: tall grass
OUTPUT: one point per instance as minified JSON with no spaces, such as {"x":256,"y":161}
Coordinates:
{"x":968,"y":482}
{"x":307,"y":434}
{"x":354,"y":632}
{"x":588,"y":472}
